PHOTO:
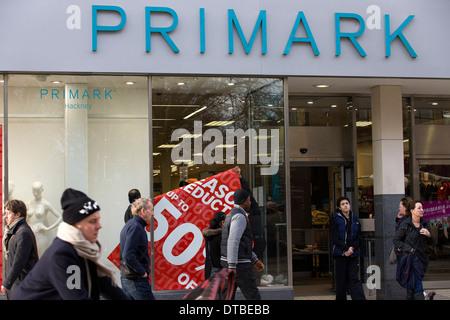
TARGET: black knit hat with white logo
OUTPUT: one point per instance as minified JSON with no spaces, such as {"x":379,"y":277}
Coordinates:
{"x":76,"y":206}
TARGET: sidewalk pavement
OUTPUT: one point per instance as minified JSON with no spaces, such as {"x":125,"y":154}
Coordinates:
{"x":441,"y":294}
{"x":441,"y":288}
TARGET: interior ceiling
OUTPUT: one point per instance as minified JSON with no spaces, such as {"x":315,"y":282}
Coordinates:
{"x":296,"y":85}
{"x":364,"y":85}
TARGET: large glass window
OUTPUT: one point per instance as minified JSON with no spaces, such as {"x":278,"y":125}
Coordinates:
{"x":85,"y":132}
{"x":92,"y":133}
{"x":319,"y":111}
{"x":432,"y":185}
{"x":364,"y":156}
{"x":223,"y":123}
{"x":432,"y":111}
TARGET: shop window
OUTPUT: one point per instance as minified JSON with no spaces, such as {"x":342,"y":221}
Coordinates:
{"x":201,"y":114}
{"x":435,"y":193}
{"x":319,"y":111}
{"x":432,"y":111}
{"x":85,"y":132}
{"x":364,"y":156}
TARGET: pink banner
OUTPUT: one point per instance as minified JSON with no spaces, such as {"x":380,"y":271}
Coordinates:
{"x":180,"y":217}
{"x":436,"y":209}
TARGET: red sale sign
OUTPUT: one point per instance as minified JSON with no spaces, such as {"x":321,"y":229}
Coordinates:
{"x":180,"y":216}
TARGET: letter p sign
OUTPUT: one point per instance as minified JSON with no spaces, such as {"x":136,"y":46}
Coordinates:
{"x":96,"y":27}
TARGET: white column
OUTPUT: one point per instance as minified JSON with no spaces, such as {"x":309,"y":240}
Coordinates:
{"x":76,"y":125}
{"x":388,"y":181}
{"x":387,"y":138}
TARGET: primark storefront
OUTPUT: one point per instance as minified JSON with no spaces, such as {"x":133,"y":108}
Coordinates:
{"x":312,"y":100}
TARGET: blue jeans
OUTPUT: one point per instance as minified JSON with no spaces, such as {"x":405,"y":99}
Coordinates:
{"x":137,"y":289}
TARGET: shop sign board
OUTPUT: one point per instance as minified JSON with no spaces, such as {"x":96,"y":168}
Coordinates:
{"x":382,"y":38}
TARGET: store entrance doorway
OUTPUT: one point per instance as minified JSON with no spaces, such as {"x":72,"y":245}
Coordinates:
{"x":314,"y":191}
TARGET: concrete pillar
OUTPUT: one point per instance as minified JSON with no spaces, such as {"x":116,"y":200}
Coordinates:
{"x":388,"y":181}
{"x":76,"y":125}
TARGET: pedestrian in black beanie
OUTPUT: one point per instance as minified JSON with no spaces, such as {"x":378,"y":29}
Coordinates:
{"x":237,"y":247}
{"x":70,"y":269}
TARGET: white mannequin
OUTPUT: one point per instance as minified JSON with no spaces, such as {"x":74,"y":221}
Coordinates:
{"x":38,"y":208}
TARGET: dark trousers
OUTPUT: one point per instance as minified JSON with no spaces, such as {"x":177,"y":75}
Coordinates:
{"x":137,"y":289}
{"x":347,"y":278}
{"x":245,"y":280}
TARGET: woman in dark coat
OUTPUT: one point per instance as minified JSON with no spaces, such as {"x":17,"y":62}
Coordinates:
{"x":412,"y":236}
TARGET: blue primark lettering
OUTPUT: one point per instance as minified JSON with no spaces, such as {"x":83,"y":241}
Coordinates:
{"x":398,"y":33}
{"x":301,"y":18}
{"x":96,"y":94}
{"x":164,"y":31}
{"x":55,"y":92}
{"x":260,"y":23}
{"x":351,"y":36}
{"x":96,"y":28}
{"x":234,"y":27}
{"x":108,"y":94}
{"x":73,"y":95}
{"x":202,"y":30}
{"x":85,"y":94}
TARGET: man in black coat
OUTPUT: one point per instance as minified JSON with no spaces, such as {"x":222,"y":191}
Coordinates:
{"x":133,"y":194}
{"x":20,"y":246}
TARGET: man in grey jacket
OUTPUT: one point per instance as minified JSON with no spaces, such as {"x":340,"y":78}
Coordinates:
{"x":237,"y":244}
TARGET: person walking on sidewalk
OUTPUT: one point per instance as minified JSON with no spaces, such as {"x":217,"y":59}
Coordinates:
{"x":236,"y":247}
{"x":346,"y":241}
{"x":412,"y":238}
{"x":134,"y":257}
{"x":70,"y":269}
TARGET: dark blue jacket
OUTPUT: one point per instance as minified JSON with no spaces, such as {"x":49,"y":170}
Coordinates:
{"x":52,"y":279}
{"x":339,"y":240}
{"x":134,"y":257}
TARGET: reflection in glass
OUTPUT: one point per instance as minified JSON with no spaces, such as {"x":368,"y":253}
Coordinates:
{"x":319,"y":111}
{"x":85,"y":132}
{"x":432,"y":111}
{"x":203,"y":126}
